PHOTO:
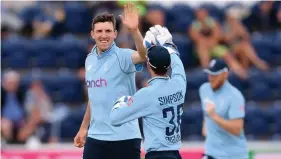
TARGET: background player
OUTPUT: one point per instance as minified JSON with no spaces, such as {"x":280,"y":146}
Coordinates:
{"x":110,"y":74}
{"x":223,"y":107}
{"x":160,"y":104}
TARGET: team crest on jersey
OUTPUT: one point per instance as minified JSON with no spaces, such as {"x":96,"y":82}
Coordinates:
{"x":130,"y":101}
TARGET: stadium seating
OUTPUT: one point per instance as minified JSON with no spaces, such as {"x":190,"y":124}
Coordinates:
{"x":176,"y":24}
{"x":78,"y":19}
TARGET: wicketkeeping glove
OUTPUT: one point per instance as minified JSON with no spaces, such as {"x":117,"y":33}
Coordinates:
{"x":164,"y":38}
{"x":149,"y":40}
{"x":161,"y":34}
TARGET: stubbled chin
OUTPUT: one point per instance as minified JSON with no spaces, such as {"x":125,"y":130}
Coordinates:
{"x":105,"y":45}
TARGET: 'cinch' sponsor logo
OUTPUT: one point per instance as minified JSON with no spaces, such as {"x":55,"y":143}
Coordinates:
{"x":96,"y":83}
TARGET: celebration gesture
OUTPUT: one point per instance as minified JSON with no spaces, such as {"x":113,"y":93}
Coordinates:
{"x":130,"y":17}
{"x":210,"y":107}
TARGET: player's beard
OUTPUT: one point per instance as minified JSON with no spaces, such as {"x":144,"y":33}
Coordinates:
{"x":217,"y":83}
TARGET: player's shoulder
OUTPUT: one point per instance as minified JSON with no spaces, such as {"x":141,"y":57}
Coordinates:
{"x":236,"y":93}
{"x":145,"y":91}
{"x":122,"y":51}
{"x":93,"y":52}
{"x":204,"y":86}
{"x":91,"y":58}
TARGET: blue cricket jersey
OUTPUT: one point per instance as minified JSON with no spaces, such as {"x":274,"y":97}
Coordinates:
{"x":110,"y":76}
{"x":229,"y":104}
{"x":160,"y":104}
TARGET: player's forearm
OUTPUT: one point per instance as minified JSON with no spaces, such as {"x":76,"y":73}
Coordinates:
{"x":194,"y":35}
{"x":139,"y":44}
{"x":177,"y":66}
{"x":87,"y":118}
{"x":204,"y":129}
{"x":124,"y":114}
{"x":116,"y":118}
{"x":231,"y":126}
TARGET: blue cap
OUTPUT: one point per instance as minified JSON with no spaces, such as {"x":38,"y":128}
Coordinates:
{"x":158,"y":57}
{"x":216,"y":67}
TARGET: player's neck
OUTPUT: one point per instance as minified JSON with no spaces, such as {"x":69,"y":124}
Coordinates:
{"x":99,"y":52}
{"x":156,"y":75}
{"x":220,"y":86}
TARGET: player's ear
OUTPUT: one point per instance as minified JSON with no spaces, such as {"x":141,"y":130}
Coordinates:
{"x":148,"y":67}
{"x":92,"y":34}
{"x":226,"y":75}
{"x":115,"y":33}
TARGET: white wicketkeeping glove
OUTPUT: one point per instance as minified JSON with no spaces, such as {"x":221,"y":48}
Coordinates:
{"x":149,"y":40}
{"x":121,"y":102}
{"x":162,"y":35}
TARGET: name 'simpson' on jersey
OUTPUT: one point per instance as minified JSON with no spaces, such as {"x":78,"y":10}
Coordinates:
{"x":170,"y":98}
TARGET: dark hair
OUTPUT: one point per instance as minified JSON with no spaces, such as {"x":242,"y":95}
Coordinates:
{"x":104,"y":17}
{"x":160,"y":72}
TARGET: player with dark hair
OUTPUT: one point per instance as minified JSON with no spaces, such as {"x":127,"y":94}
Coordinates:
{"x":160,"y":104}
{"x":110,"y":74}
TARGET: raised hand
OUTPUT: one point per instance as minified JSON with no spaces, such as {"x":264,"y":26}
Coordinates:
{"x":130,"y":17}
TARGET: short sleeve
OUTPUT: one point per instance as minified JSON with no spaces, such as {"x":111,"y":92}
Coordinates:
{"x":203,"y":94}
{"x":202,"y":91}
{"x":237,"y":107}
{"x":126,"y":62}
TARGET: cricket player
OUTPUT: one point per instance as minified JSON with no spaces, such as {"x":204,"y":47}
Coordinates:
{"x":224,"y":111}
{"x":160,"y":104}
{"x":110,"y":74}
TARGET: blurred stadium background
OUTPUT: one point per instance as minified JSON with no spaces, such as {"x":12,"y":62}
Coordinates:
{"x":46,"y":43}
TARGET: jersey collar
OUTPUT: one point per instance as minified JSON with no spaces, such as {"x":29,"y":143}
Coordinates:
{"x":225,"y":84}
{"x":106,"y":52}
{"x":157,"y":78}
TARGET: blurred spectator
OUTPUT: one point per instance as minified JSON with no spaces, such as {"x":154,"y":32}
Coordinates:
{"x":124,"y":38}
{"x":264,"y":17}
{"x":81,"y":77}
{"x":154,"y":16}
{"x":39,"y":112}
{"x":12,"y":21}
{"x":13,"y":7}
{"x":206,"y":34}
{"x":52,"y":24}
{"x":10,"y":11}
{"x":140,"y":4}
{"x":43,"y":20}
{"x":237,"y":38}
{"x":59,"y":26}
{"x":12,"y":107}
{"x":5,"y":32}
